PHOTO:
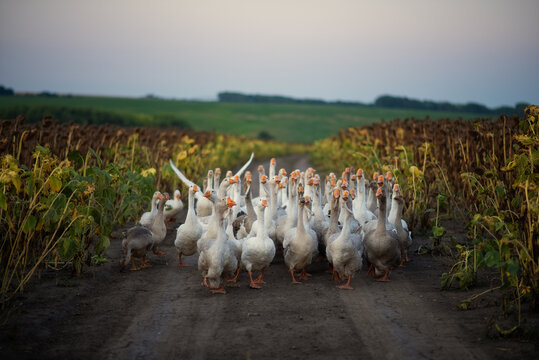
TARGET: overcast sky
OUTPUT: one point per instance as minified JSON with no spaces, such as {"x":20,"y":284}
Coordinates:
{"x":459,"y":51}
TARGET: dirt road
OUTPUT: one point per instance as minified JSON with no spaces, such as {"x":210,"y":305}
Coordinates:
{"x":164,"y":313}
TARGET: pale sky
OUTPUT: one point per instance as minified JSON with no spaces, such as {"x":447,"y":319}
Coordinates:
{"x":459,"y":51}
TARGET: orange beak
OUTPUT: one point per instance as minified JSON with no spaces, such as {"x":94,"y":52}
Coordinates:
{"x":379,"y":192}
{"x":207,"y":194}
{"x":159,"y":195}
{"x":232,"y":180}
{"x":380,"y":180}
{"x":230,"y":203}
{"x":307,"y":200}
{"x":345,"y":195}
{"x":388,"y":176}
{"x":218,"y":171}
{"x":336,"y":194}
{"x":310,"y":182}
{"x":283,"y":172}
{"x":195,"y":188}
{"x":263,"y":179}
{"x":260,"y":168}
{"x":359,"y":173}
{"x":396,"y":188}
{"x":264,"y":203}
{"x":375,"y":176}
{"x":352,"y":194}
{"x":277,"y":180}
{"x":178,"y":197}
{"x":273,"y":161}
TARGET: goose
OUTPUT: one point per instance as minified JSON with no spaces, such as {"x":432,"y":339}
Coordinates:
{"x":298,"y":245}
{"x":371,"y":199}
{"x":382,"y":245}
{"x":237,"y":245}
{"x":284,"y":189}
{"x":261,"y":190}
{"x":212,"y":225}
{"x":218,"y":262}
{"x":140,"y":239}
{"x":320,"y":222}
{"x":190,"y":231}
{"x":258,"y":251}
{"x":345,"y":251}
{"x":389,"y":191}
{"x":395,"y":217}
{"x":269,"y":188}
{"x":288,"y":221}
{"x":272,"y":166}
{"x":173,"y":207}
{"x":371,"y":225}
{"x":158,"y":228}
{"x":204,"y":206}
{"x":361,"y":213}
{"x":147,"y":218}
{"x":216,"y":177}
{"x":333,"y":227}
{"x":242,"y":224}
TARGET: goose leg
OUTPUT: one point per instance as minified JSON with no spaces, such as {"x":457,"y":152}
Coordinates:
{"x":158,"y":253}
{"x":406,"y":256}
{"x":180,"y":258}
{"x":384,"y":278}
{"x":133,"y":266}
{"x":205,"y":282}
{"x":347,"y":285}
{"x":235,"y":278}
{"x":371,"y":270}
{"x":403,"y":257}
{"x":304,"y":274}
{"x":220,"y":290}
{"x":294,"y":281}
{"x":253,"y":284}
{"x":336,"y":276}
{"x":260,"y":279}
{"x":143,"y":262}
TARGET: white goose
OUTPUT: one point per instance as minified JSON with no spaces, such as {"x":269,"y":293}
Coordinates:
{"x":346,"y":250}
{"x":147,"y":218}
{"x":190,"y":231}
{"x":298,"y":245}
{"x":381,"y":245}
{"x":258,"y":251}
{"x":361,"y":213}
{"x":218,"y":262}
{"x":395,"y":217}
{"x":173,"y":207}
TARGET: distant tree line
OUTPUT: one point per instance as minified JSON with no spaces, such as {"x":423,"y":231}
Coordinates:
{"x":275,"y":99}
{"x":4,"y":91}
{"x":384,"y":101}
{"x":35,"y":113}
{"x":388,"y":101}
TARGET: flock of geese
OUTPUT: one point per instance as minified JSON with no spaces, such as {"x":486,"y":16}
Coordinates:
{"x":344,"y":219}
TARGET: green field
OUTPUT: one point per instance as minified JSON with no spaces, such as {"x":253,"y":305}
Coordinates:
{"x":285,"y":122}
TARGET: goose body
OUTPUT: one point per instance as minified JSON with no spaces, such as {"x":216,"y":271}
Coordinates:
{"x":298,"y":246}
{"x":258,"y":251}
{"x":190,"y":231}
{"x":218,"y":261}
{"x":147,"y":218}
{"x":382,"y":245}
